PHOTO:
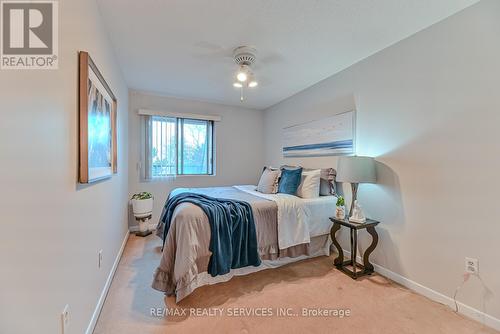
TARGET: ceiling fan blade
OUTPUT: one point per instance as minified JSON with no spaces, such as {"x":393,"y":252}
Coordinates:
{"x":263,"y":82}
{"x":216,"y":58}
{"x":208,"y":46}
{"x":211,"y":49}
{"x":272,"y":58}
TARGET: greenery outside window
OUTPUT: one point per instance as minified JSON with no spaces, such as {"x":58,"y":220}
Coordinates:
{"x":179,"y":146}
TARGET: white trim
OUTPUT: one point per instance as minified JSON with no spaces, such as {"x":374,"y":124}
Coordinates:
{"x":215,"y":118}
{"x":102,"y":298}
{"x":464,"y":309}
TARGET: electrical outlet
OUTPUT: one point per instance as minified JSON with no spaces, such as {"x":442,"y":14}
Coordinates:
{"x":471,"y":266}
{"x":100,"y":259}
{"x":65,"y":320}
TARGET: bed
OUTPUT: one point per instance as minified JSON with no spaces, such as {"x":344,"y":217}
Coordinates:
{"x":288,"y":229}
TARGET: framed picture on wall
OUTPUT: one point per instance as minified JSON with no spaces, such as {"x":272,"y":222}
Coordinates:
{"x":334,"y":135}
{"x":98,"y":146}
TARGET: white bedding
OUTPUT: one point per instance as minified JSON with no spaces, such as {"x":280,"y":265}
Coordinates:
{"x":320,"y":210}
{"x":299,"y":219}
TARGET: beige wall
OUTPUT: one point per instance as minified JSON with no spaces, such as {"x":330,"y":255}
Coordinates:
{"x":239,"y":139}
{"x":428,"y":109}
{"x":52,"y":228}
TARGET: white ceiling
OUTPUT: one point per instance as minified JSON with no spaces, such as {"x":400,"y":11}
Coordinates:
{"x":182,"y":47}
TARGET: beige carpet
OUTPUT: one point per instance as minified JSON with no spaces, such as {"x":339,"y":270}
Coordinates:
{"x":376,"y":305}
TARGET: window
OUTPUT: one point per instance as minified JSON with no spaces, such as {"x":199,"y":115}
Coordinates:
{"x":179,"y":146}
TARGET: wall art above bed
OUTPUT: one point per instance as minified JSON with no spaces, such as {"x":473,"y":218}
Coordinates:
{"x":333,"y":135}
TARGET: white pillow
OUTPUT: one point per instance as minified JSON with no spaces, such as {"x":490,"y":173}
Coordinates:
{"x":268,"y":183}
{"x":309,"y":184}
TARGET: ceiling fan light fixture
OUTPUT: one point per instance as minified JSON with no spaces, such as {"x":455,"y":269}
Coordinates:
{"x":243,"y":73}
{"x":244,"y":56}
{"x":242,"y":76}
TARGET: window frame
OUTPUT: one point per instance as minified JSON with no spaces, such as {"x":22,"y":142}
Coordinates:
{"x":179,"y":159}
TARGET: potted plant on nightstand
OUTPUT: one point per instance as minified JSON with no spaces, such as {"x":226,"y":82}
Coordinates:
{"x":340,"y":210}
{"x":142,"y":206}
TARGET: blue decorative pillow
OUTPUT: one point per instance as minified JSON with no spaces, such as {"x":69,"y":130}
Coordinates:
{"x":289,"y":181}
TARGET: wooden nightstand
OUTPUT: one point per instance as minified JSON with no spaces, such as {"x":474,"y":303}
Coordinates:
{"x":366,"y":267}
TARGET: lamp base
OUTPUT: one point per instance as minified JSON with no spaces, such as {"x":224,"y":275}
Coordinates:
{"x":354,"y":190}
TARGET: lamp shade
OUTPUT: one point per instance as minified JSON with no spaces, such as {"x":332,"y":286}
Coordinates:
{"x":356,"y":170}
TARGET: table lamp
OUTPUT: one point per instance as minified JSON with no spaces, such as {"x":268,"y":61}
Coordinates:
{"x":356,"y":170}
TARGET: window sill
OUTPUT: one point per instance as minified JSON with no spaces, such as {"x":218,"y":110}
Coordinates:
{"x":173,"y":177}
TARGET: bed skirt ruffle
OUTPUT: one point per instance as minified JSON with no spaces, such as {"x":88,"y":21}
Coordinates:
{"x":197,"y":276}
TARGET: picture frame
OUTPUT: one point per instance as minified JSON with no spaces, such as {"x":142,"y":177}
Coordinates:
{"x":97,"y":124}
{"x":330,"y":136}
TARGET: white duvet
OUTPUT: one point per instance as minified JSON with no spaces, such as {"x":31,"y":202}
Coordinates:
{"x":298,"y":219}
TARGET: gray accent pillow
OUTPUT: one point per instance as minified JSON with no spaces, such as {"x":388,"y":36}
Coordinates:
{"x":327,"y":184}
{"x":268,"y":183}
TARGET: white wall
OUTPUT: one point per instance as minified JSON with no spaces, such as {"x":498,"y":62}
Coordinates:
{"x":429,"y":111}
{"x":52,"y":228}
{"x":239,"y":142}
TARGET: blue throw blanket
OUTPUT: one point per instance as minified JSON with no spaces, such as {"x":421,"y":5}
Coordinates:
{"x":233,"y":240}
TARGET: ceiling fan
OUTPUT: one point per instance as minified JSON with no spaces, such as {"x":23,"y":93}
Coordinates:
{"x":244,"y":57}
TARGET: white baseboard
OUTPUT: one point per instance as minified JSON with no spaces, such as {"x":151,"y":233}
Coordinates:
{"x":102,"y":298}
{"x":464,"y":309}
